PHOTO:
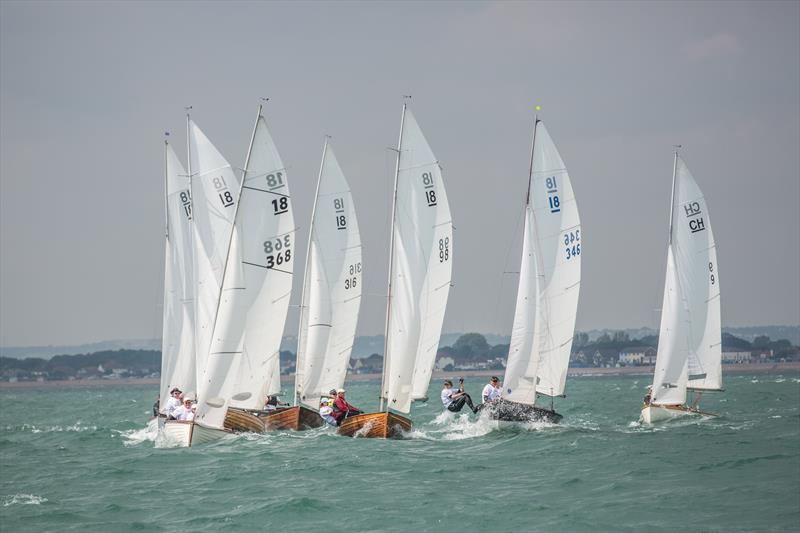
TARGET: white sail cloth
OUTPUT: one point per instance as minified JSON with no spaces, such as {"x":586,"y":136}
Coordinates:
{"x":331,"y":288}
{"x":244,"y":363}
{"x":420,"y":271}
{"x":547,"y":298}
{"x":214,"y":190}
{"x":690,"y":338}
{"x":177,"y":344}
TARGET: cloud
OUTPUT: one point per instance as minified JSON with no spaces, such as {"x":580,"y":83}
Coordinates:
{"x":721,"y":44}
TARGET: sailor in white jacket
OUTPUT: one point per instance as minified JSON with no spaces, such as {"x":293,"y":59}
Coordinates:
{"x":492,"y":390}
{"x":185,"y":411}
{"x":173,"y":402}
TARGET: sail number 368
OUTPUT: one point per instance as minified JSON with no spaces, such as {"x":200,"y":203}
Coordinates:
{"x":278,"y":251}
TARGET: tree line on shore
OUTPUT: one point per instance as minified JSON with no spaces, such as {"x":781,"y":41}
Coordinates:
{"x":469,"y":350}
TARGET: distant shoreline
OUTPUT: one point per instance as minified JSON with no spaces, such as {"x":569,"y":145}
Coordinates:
{"x":757,"y":368}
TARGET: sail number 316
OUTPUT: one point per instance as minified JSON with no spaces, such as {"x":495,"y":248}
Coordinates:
{"x":352,"y":281}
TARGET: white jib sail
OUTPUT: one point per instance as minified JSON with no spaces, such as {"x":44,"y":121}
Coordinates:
{"x":331,"y":289}
{"x":244,"y":361}
{"x":421,"y":270}
{"x":550,"y":275}
{"x":177,"y":344}
{"x":519,"y":382}
{"x":214,"y":189}
{"x":693,"y":258}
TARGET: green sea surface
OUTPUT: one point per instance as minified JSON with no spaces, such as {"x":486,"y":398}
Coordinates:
{"x":82,"y":460}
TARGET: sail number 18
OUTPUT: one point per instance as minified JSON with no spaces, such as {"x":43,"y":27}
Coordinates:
{"x":428,"y":185}
{"x":552,"y":194}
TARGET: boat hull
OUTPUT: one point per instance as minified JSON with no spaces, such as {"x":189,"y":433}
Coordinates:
{"x":182,"y":433}
{"x":383,"y":425}
{"x":659,"y":413}
{"x":241,"y":421}
{"x":295,"y":418}
{"x":508,"y":411}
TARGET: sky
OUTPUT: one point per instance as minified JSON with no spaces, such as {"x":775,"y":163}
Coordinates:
{"x":87,"y":90}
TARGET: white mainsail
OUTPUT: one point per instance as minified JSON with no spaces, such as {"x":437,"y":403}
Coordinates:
{"x":420,"y":269}
{"x":214,"y":190}
{"x":690,"y":337}
{"x":331,"y":288}
{"x":177,"y":344}
{"x":550,"y":274}
{"x":244,"y":358}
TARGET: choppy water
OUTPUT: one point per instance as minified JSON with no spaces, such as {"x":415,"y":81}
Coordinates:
{"x":81,"y":460}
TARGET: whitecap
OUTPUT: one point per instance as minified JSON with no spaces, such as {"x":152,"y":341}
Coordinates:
{"x":149,"y":433}
{"x":23,"y":499}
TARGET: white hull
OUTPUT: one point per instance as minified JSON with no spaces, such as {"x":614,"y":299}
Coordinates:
{"x":184,"y":434}
{"x":659,"y":413}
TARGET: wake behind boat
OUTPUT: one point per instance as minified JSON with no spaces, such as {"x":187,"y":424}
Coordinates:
{"x":690,"y":339}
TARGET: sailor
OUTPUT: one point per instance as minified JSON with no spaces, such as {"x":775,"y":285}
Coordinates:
{"x":454,"y":400}
{"x":156,"y":406}
{"x":342,"y":409}
{"x":326,"y":411}
{"x":273,"y":403}
{"x":173,"y":403}
{"x":185,"y":411}
{"x":649,"y":395}
{"x":492,"y":390}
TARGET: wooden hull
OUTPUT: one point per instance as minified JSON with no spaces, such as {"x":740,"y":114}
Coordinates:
{"x":295,"y":418}
{"x":508,"y":411}
{"x":382,"y":425}
{"x":180,"y":433}
{"x":658,"y":413}
{"x":241,"y":421}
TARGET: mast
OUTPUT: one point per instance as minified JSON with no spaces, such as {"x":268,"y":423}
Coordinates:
{"x":194,"y":247}
{"x":530,"y":169}
{"x":166,"y":190}
{"x":672,"y":195}
{"x":391,"y":259}
{"x":305,"y":271}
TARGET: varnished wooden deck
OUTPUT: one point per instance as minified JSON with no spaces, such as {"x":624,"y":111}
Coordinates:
{"x":242,"y":421}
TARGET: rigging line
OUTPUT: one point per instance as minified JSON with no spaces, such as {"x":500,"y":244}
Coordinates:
{"x":266,"y":191}
{"x":497,"y":326}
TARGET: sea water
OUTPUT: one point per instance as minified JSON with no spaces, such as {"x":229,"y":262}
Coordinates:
{"x":82,"y":460}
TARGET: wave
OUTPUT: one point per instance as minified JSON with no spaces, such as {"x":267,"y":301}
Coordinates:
{"x":23,"y":499}
{"x":77,"y":428}
{"x":149,"y":433}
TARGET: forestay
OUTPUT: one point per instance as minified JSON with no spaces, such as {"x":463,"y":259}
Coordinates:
{"x":420,"y":270}
{"x":214,"y":187}
{"x":547,"y":298}
{"x":244,"y":361}
{"x":331,"y":288}
{"x":177,"y":345}
{"x":689,"y":350}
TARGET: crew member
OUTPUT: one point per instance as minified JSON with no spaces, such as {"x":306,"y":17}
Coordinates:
{"x":454,"y":400}
{"x":492,"y":390}
{"x":326,"y":411}
{"x":185,"y":411}
{"x":342,"y":409}
{"x":173,"y":403}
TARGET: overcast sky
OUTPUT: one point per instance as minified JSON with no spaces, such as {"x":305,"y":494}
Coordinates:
{"x":87,"y":90}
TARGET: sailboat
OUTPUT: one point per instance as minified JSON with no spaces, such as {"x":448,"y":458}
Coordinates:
{"x":213,"y":190}
{"x":244,"y":362}
{"x":420,"y":266}
{"x":331,"y":299}
{"x":547,"y":295}
{"x":689,"y":353}
{"x":177,"y":345}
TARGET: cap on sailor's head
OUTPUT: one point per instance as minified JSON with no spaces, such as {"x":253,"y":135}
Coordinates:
{"x":174,"y":390}
{"x":340,"y":391}
{"x":332,"y":392}
{"x":448,"y":382}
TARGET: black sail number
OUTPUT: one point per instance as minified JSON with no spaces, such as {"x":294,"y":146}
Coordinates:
{"x":278,"y":251}
{"x":353,"y":271}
